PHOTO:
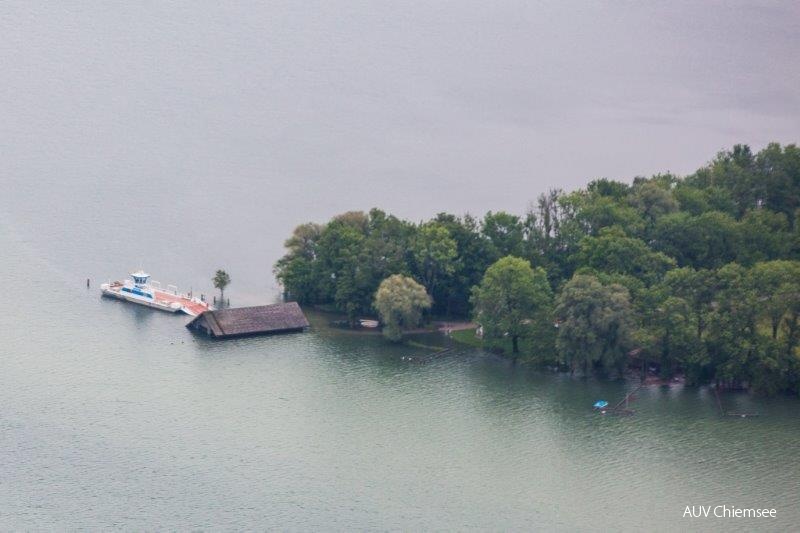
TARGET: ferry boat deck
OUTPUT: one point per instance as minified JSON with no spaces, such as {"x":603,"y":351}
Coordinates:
{"x":144,"y":292}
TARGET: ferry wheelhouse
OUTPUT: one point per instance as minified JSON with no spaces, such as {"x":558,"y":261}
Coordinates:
{"x":140,"y":290}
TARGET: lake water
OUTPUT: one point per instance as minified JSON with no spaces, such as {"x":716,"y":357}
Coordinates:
{"x":183,"y":138}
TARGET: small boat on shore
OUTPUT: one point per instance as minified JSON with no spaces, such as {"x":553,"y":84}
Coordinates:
{"x":600,"y":404}
{"x":140,"y":290}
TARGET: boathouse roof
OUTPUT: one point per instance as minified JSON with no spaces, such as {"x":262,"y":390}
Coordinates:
{"x":261,"y":319}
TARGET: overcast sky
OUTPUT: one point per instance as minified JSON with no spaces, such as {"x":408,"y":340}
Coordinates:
{"x":416,"y":107}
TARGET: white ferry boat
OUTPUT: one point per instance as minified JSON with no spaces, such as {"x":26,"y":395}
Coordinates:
{"x":140,"y":290}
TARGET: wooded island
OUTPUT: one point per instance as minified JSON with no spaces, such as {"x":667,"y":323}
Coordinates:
{"x":697,"y":274}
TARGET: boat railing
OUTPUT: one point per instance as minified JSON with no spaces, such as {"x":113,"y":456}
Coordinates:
{"x":171,"y":289}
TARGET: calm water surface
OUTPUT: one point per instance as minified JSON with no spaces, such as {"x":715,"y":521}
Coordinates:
{"x":185,"y":137}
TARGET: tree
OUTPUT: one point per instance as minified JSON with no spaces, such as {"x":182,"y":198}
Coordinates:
{"x":554,"y":231}
{"x":652,"y":200}
{"x":614,"y":252}
{"x":697,"y":288}
{"x":774,"y":283}
{"x":790,"y":293}
{"x":381,"y":254}
{"x":710,"y":240}
{"x":691,"y":199}
{"x":510,"y":297}
{"x":780,"y":173}
{"x":735,"y":172}
{"x":340,"y":248}
{"x":504,"y":232}
{"x":473,"y":257}
{"x":435,"y":253}
{"x":668,"y":333}
{"x":764,"y":235}
{"x":221,"y":280}
{"x":600,"y":212}
{"x":734,"y":344}
{"x":400,"y":301}
{"x":297,"y":270}
{"x":595,"y":324}
{"x":610,"y":188}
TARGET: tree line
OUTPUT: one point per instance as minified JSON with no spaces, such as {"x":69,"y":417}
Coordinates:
{"x":696,"y":274}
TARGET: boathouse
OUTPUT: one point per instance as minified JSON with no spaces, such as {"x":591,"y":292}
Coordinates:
{"x":258,"y":320}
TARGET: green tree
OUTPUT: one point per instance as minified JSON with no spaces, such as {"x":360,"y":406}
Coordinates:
{"x":382,"y":253}
{"x":554,"y":231}
{"x":691,"y":199}
{"x":779,"y":170}
{"x":435,"y":254}
{"x":790,"y":293}
{"x":734,"y":344}
{"x":614,"y":252}
{"x":473,"y":257}
{"x":504,"y":233}
{"x":511,"y":296}
{"x":400,"y":301}
{"x":653,"y":200}
{"x":769,"y":179}
{"x":221,"y":280}
{"x":697,"y":288}
{"x":710,"y":240}
{"x":763,"y":235}
{"x":668,"y":333}
{"x":298,"y":271}
{"x":595,"y":324}
{"x":340,"y":247}
{"x":774,"y":282}
{"x":600,"y":212}
{"x":606,"y":187}
{"x":735,"y":171}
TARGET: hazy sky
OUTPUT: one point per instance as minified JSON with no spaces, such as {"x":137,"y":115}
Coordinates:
{"x":416,"y":107}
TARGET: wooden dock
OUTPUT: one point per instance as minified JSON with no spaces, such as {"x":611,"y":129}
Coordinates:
{"x":618,"y":409}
